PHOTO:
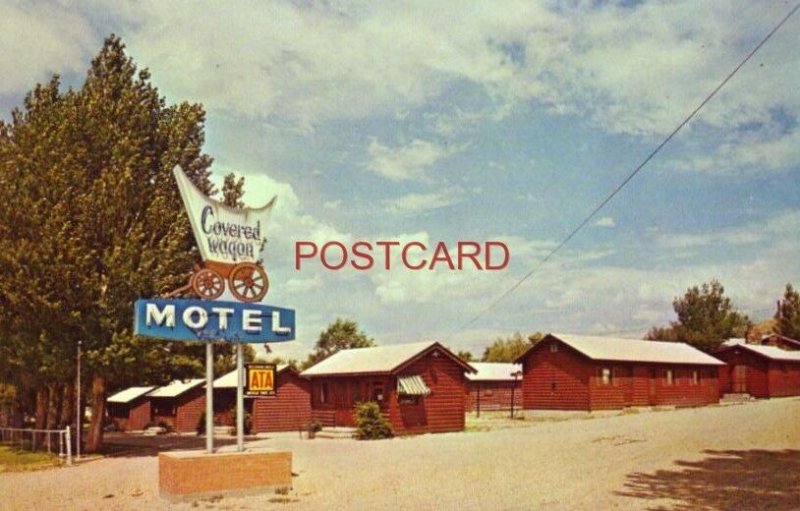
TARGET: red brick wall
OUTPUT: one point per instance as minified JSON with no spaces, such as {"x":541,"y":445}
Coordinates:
{"x":494,"y":395}
{"x":288,"y":410}
{"x":555,"y":380}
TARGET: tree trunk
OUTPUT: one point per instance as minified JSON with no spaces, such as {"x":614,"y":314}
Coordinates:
{"x":67,"y":405}
{"x":98,"y":398}
{"x":53,"y":405}
{"x":41,"y":407}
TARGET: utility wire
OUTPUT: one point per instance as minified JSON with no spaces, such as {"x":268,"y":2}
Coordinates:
{"x":628,"y":179}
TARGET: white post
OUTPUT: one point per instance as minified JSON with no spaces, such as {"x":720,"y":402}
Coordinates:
{"x":78,"y":414}
{"x":210,"y":397}
{"x":69,"y":447}
{"x":239,"y":397}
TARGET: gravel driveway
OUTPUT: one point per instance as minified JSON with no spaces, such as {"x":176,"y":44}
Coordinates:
{"x":744,"y":456}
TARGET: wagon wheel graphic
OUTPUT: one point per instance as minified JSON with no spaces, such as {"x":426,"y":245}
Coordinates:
{"x":248,"y":282}
{"x":208,"y":284}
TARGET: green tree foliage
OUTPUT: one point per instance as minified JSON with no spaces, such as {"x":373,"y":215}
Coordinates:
{"x":511,"y":348}
{"x":340,"y":335}
{"x":788,"y":313}
{"x":90,"y":220}
{"x":706,"y":317}
{"x":370,"y":422}
{"x":466,"y":356}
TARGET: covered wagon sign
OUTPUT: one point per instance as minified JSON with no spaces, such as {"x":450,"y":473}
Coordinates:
{"x":230,"y":241}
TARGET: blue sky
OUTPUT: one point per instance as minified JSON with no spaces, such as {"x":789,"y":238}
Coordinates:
{"x":453,"y":121}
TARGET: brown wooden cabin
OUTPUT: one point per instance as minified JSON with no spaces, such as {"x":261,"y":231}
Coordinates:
{"x":494,"y":386}
{"x":179,"y":404}
{"x":288,"y":410}
{"x":780,"y":341}
{"x":572,"y":372}
{"x":129,"y":409}
{"x":761,"y":371}
{"x":419,"y":387}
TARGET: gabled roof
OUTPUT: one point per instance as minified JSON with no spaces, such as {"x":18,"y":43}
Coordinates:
{"x":176,"y":388}
{"x":378,"y":360}
{"x":631,"y":350}
{"x":770,"y":352}
{"x":788,"y":340}
{"x":228,"y":380}
{"x":129,"y":394}
{"x":493,"y":371}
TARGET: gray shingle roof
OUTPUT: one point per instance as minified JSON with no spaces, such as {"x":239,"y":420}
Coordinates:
{"x":376,"y":360}
{"x":493,"y":371}
{"x":635,"y":350}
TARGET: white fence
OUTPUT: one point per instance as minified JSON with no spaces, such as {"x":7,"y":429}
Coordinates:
{"x":50,"y":440}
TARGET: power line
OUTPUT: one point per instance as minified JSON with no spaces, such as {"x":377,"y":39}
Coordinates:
{"x":633,"y":174}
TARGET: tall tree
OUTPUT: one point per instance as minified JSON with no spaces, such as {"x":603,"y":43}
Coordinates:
{"x":788,"y":313}
{"x":706,"y":317}
{"x":94,"y":221}
{"x":340,"y":335}
{"x":509,"y":349}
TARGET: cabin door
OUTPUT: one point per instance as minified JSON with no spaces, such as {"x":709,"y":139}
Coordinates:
{"x":739,"y":379}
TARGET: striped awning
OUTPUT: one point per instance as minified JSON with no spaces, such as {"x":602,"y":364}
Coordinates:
{"x":412,"y":386}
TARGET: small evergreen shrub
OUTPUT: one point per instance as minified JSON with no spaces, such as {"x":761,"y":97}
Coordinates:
{"x":370,"y":423}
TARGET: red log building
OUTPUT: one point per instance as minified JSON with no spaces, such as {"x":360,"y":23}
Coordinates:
{"x":129,"y":409}
{"x":572,"y":372}
{"x":761,"y":371}
{"x":494,"y":386}
{"x":288,"y":410}
{"x":780,"y":341}
{"x":419,"y":387}
{"x":179,"y":404}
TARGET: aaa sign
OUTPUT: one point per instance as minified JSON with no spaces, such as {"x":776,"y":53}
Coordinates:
{"x":260,"y":380}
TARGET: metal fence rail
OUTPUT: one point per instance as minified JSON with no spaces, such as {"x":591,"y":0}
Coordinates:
{"x":50,"y":440}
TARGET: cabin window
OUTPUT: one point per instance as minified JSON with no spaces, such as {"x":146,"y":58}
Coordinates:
{"x":405,"y":399}
{"x":553,"y":347}
{"x":669,"y":377}
{"x":323,"y":393}
{"x":377,"y":392}
{"x":488,"y":392}
{"x":605,"y":376}
{"x":695,"y":377}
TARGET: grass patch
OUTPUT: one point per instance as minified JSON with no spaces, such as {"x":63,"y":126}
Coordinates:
{"x":13,"y":460}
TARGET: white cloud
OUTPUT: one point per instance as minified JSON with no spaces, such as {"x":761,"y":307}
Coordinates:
{"x":407,"y":162}
{"x":415,"y":203}
{"x":605,"y":221}
{"x":38,"y":40}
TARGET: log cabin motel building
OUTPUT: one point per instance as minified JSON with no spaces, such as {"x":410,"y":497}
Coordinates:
{"x":759,"y":370}
{"x":419,"y":387}
{"x":574,"y":372}
{"x":288,"y":410}
{"x":493,"y":386}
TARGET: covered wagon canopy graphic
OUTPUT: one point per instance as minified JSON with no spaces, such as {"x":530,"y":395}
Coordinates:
{"x":230,"y":241}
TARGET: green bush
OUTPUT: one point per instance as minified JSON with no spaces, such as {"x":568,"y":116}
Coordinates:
{"x":370,"y":423}
{"x":248,"y":421}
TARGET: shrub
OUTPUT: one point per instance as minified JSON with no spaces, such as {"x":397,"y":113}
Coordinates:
{"x":370,"y":423}
{"x":248,"y":421}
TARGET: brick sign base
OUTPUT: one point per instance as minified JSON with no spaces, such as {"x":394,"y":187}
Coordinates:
{"x":191,"y":474}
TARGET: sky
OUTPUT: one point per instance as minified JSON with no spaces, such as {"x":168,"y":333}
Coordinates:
{"x":477,"y":121}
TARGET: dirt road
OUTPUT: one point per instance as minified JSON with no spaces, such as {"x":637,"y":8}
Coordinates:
{"x":722,"y":457}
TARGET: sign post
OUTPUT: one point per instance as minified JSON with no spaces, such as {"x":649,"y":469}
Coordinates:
{"x":239,"y":397}
{"x":209,"y":396}
{"x":230,"y":241}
